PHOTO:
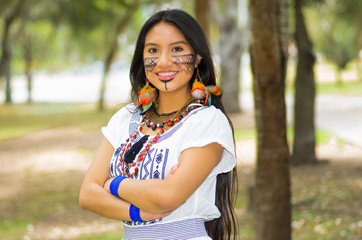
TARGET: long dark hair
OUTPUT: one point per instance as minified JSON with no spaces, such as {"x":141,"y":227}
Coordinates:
{"x":224,"y":227}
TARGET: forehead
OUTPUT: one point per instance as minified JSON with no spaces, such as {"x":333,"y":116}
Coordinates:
{"x":164,"y":33}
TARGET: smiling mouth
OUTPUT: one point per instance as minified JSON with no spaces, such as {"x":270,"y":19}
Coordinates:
{"x":166,"y":76}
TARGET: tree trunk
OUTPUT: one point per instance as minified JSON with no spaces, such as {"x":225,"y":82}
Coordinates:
{"x":122,"y":24}
{"x":304,"y":132}
{"x":339,"y":78}
{"x":232,"y":42}
{"x":28,"y":66}
{"x":268,"y":50}
{"x":233,"y":39}
{"x":202,"y":10}
{"x":359,"y":46}
{"x":5,"y":60}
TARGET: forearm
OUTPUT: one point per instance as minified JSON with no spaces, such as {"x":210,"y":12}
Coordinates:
{"x":96,"y":199}
{"x":153,"y":196}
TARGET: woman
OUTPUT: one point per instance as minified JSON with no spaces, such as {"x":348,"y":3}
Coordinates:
{"x":166,"y":165}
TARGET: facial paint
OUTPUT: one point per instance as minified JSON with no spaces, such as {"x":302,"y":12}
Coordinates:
{"x":165,"y":82}
{"x":185,"y":62}
{"x":150,"y":63}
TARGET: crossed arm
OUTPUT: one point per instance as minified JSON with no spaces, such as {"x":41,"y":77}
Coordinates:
{"x":156,"y":198}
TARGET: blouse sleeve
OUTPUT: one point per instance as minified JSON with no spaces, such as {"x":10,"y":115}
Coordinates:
{"x":118,"y":126}
{"x":208,"y":126}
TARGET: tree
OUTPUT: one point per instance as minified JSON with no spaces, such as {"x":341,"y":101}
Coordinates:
{"x":336,"y":32}
{"x":113,"y":17}
{"x":11,"y":11}
{"x":304,"y":132}
{"x":110,"y":55}
{"x":202,"y":9}
{"x":350,"y":11}
{"x":233,"y":39}
{"x":34,"y":40}
{"x":26,"y":30}
{"x":268,"y":50}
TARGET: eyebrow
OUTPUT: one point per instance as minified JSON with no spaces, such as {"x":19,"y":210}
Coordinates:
{"x":177,"y":42}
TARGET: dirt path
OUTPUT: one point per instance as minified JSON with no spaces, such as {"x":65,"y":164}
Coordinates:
{"x":52,"y":160}
{"x":49,"y":151}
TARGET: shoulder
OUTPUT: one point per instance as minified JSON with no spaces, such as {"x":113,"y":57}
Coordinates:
{"x":126,"y":110}
{"x":208,"y":123}
{"x":119,"y":124}
{"x":208,"y":115}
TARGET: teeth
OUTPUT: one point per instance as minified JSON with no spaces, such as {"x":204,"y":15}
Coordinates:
{"x":164,"y":74}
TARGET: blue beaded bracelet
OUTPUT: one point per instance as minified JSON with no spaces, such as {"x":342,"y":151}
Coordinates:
{"x":134,"y":213}
{"x":113,"y":187}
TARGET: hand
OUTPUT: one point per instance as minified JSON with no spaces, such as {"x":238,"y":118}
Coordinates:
{"x":173,"y":170}
{"x":107,"y":184}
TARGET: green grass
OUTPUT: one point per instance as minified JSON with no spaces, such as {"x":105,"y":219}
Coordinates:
{"x":20,"y":119}
{"x":352,"y":86}
{"x":325,"y":198}
{"x":322,"y":136}
{"x":245,"y":133}
{"x":103,"y":236}
{"x":346,"y":88}
{"x":44,"y":196}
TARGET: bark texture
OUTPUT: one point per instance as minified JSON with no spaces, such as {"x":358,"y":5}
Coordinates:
{"x":232,"y":42}
{"x":268,"y":50}
{"x":202,"y":10}
{"x":304,"y":132}
{"x":28,"y":57}
{"x":6,"y":47}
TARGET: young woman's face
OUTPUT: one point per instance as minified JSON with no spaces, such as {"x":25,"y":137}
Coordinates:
{"x":169,"y":59}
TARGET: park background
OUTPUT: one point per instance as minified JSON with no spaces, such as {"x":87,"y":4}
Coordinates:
{"x":64,"y":72}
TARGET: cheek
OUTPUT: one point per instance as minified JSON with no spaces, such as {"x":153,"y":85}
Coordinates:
{"x":150,"y":63}
{"x":185,"y":62}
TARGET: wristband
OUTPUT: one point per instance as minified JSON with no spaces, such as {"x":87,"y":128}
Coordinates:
{"x":113,"y":187}
{"x":134,"y":213}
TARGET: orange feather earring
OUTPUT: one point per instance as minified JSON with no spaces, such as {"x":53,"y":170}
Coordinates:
{"x":200,"y":91}
{"x":147,"y":96}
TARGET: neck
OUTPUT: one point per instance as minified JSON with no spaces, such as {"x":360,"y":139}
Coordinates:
{"x":169,"y":102}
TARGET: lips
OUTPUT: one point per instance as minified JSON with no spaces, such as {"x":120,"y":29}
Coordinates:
{"x":166,"y":76}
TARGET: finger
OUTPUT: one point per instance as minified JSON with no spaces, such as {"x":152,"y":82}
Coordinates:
{"x":174,"y":168}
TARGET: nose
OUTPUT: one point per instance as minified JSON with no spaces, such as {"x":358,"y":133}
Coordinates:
{"x":165,"y":59}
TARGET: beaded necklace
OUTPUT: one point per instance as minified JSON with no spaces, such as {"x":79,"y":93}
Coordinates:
{"x":133,"y":166}
{"x":155,"y":120}
{"x":164,"y":114}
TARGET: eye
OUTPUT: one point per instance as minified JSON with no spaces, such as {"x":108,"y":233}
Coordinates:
{"x":152,"y":50}
{"x":177,"y":49}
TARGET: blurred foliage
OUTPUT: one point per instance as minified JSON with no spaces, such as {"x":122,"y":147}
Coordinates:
{"x":322,"y":136}
{"x":324,"y":71}
{"x":335,"y":29}
{"x":66,"y":33}
{"x":349,"y":88}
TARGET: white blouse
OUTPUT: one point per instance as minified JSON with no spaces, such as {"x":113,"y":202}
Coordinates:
{"x":199,"y":128}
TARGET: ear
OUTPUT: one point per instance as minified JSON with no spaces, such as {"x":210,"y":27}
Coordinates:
{"x":198,"y":60}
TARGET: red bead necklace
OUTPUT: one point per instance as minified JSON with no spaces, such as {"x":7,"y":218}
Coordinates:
{"x":129,"y":142}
